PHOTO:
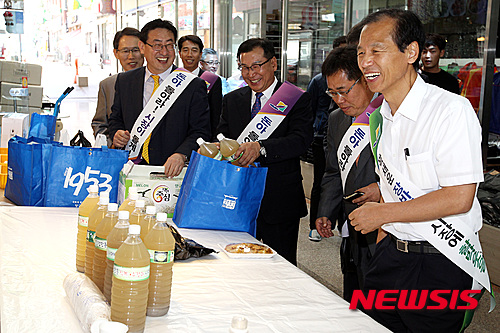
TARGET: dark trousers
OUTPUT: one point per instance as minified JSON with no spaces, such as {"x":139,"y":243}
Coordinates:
{"x":391,"y":269}
{"x":319,"y":161}
{"x":354,"y":267}
{"x":282,"y":237}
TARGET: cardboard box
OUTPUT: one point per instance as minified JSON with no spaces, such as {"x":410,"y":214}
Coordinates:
{"x":14,"y":124}
{"x":83,"y":81}
{"x":13,"y":72}
{"x":35,"y":95}
{"x":162,"y":192}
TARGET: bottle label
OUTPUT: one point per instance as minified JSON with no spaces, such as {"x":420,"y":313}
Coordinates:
{"x":233,"y":158}
{"x":131,"y":273}
{"x":101,"y":243}
{"x":110,"y":254}
{"x":90,"y":236}
{"x":161,"y":257}
{"x":83,"y":221}
{"x":218,"y":157}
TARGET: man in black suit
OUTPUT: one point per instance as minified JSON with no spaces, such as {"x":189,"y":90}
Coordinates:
{"x":190,"y":48}
{"x":348,"y":89}
{"x":284,"y":202}
{"x":175,"y":136}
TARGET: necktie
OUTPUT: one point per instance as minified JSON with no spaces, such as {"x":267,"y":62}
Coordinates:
{"x":145,"y":146}
{"x":256,"y":106}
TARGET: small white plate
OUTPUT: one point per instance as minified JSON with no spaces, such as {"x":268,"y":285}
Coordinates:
{"x":247,"y":255}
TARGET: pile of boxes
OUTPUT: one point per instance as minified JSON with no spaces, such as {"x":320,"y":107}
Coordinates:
{"x":11,"y":76}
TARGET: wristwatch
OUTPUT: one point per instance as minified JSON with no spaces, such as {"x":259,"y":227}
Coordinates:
{"x":262,"y":150}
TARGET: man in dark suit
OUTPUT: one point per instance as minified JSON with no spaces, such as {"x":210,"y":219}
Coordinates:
{"x":348,"y":89}
{"x":284,"y":202}
{"x":175,"y":136}
{"x":190,"y":51}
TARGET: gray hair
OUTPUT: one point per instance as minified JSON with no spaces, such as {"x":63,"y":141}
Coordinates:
{"x":206,"y":51}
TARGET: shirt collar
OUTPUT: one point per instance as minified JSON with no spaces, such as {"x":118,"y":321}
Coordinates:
{"x":163,"y":75}
{"x":269,"y":91}
{"x":410,"y":107}
{"x":196,"y":71}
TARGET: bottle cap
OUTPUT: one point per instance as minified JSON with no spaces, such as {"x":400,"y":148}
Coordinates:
{"x":112,"y":207}
{"x":93,"y":189}
{"x":133,"y":196}
{"x":123,"y":215}
{"x":132,"y":189}
{"x":200,"y":141}
{"x":220,"y":137}
{"x":104,"y":194}
{"x":139,"y":203}
{"x":150,"y":210}
{"x":103,"y":200}
{"x":239,"y":324}
{"x":161,"y":217}
{"x":134,"y":229}
{"x":113,"y":327}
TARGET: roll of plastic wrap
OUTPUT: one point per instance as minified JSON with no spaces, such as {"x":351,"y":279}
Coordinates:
{"x":87,"y":300}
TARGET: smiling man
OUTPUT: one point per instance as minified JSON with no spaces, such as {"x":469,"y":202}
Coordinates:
{"x":284,"y":202}
{"x":345,"y":175}
{"x":427,"y":147}
{"x":174,"y":137}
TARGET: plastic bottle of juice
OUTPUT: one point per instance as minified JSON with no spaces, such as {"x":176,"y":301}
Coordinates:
{"x":129,"y":203}
{"x":138,"y":213}
{"x":95,"y":217}
{"x":115,"y":239}
{"x":83,"y":221}
{"x":129,"y":293}
{"x":209,"y":149}
{"x":148,"y":221}
{"x":101,"y":235}
{"x":161,"y":247}
{"x":228,"y":148}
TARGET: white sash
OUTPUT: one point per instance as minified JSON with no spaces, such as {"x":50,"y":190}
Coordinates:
{"x":157,"y":107}
{"x":353,"y":142}
{"x":451,"y":236}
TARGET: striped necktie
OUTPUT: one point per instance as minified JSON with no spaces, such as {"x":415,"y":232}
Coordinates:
{"x":256,"y":106}
{"x":145,"y":146}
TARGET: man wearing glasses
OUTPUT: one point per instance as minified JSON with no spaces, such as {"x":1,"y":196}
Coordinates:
{"x":350,"y":165}
{"x":284,"y":202}
{"x":173,"y":139}
{"x":126,"y":50}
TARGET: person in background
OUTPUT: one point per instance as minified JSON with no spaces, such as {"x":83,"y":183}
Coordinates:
{"x":190,"y":52}
{"x":210,"y":62}
{"x":126,"y":50}
{"x":321,"y":105}
{"x":284,"y":201}
{"x":434,"y":49}
{"x":174,"y":137}
{"x":348,"y":89}
{"x":235,"y":81}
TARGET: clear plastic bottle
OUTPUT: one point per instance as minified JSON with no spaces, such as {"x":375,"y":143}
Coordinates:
{"x":138,"y":213}
{"x":228,"y":148}
{"x":129,"y":203}
{"x":95,"y":217}
{"x":101,"y":236}
{"x":115,"y":239}
{"x":148,"y":221}
{"x":209,"y":149}
{"x":161,"y":247}
{"x":83,"y":221}
{"x":129,"y":293}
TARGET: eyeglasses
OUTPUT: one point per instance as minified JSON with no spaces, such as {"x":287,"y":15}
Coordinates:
{"x":211,"y":62}
{"x":158,"y":47}
{"x":254,"y":67}
{"x":134,"y":51}
{"x":334,"y":94}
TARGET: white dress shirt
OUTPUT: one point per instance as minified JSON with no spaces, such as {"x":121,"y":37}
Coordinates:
{"x":149,"y":83}
{"x":267,"y":94}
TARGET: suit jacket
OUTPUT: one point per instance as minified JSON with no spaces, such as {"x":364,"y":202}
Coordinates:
{"x":187,"y":119}
{"x":214,"y":103}
{"x":105,"y":99}
{"x":284,"y":198}
{"x":359,"y":176}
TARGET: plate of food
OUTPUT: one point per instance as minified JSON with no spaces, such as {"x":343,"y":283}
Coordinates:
{"x":247,"y":251}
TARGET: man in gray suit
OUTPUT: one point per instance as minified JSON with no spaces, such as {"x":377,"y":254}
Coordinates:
{"x":349,"y":162}
{"x":126,"y":50}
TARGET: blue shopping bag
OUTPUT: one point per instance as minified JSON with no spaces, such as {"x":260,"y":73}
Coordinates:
{"x":218,"y":195}
{"x":73,"y":169}
{"x":27,"y":165}
{"x":42,"y":126}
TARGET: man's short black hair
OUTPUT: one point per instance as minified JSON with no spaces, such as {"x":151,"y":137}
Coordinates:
{"x":353,"y":34}
{"x":252,"y":43}
{"x":407,"y":28}
{"x":342,"y":58}
{"x":339,"y":41}
{"x":125,"y":32}
{"x":155,"y":24}
{"x":435,"y":40}
{"x":192,"y":38}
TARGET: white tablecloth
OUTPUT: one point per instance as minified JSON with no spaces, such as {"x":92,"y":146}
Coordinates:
{"x":37,"y":249}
